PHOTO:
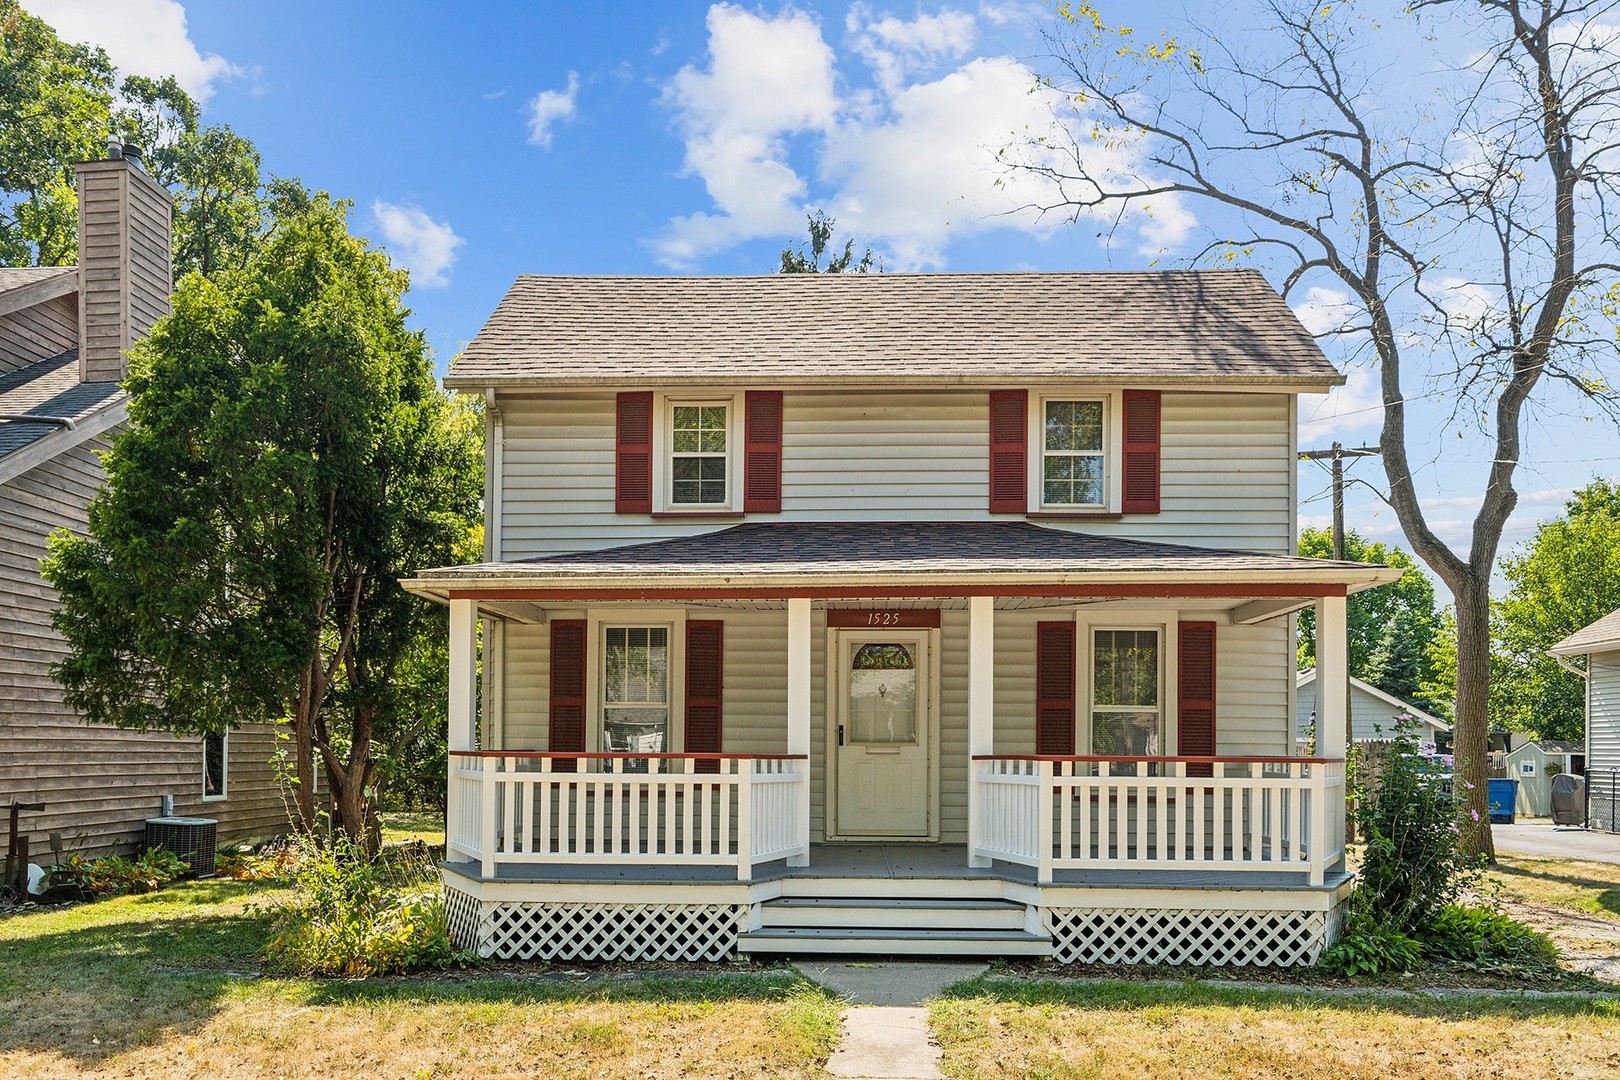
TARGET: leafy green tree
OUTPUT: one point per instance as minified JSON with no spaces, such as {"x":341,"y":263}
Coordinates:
{"x":55,"y":103}
{"x":289,"y":458}
{"x":807,"y":259}
{"x":1567,"y":576}
{"x":1390,"y":627}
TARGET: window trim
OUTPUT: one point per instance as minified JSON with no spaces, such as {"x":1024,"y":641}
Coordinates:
{"x":224,"y":769}
{"x":664,"y":503}
{"x":597,"y":622}
{"x":1160,"y":620}
{"x":1113,"y":454}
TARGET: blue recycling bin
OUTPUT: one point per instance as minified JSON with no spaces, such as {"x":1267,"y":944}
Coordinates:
{"x":1502,"y":792}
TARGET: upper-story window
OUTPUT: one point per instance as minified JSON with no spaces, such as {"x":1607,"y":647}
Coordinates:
{"x":1073,"y":453}
{"x":700,"y":447}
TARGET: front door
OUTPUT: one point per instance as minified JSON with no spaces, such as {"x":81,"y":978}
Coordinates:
{"x":882,"y":712}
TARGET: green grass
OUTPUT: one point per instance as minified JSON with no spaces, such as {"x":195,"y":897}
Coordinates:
{"x":399,"y":826}
{"x":1590,"y":888}
{"x":169,"y":984}
{"x":994,"y":1027}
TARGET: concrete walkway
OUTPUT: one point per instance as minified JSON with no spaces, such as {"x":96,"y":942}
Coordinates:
{"x":886,"y":1034}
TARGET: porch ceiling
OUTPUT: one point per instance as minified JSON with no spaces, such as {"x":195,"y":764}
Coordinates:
{"x":916,"y":560}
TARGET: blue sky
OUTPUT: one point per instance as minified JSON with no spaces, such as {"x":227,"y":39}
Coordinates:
{"x":483,"y":140}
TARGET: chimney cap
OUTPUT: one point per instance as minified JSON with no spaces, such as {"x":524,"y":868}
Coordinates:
{"x":115,"y":148}
{"x":134,"y":155}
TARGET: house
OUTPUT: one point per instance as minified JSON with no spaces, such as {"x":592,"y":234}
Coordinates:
{"x":1373,"y":713}
{"x":932,"y":613}
{"x":1533,"y":763}
{"x":63,"y":336}
{"x":1599,"y":644}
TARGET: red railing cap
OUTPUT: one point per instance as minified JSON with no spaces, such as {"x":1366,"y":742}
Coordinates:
{"x":1161,"y":760}
{"x":623,"y":755}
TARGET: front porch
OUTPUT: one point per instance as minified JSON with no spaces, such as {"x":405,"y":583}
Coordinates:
{"x":782,"y":730}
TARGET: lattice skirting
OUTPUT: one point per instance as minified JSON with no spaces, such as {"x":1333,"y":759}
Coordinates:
{"x":1189,"y":936}
{"x":641,"y":932}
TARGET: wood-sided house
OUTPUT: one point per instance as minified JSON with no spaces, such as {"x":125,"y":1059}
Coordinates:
{"x":939,"y":613}
{"x":63,"y":336}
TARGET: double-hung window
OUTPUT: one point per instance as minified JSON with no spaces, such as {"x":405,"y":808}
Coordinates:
{"x":1074,"y":435}
{"x":1127,"y":698}
{"x":635,"y":697}
{"x":700,"y":446}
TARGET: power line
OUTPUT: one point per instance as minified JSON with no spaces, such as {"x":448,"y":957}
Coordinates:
{"x":1337,"y":453}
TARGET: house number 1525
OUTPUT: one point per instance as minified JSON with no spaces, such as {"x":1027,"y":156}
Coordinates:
{"x":883,"y":618}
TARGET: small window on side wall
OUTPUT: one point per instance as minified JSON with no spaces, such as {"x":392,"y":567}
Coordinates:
{"x":215,"y":766}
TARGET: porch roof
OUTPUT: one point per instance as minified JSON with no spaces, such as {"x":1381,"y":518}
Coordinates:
{"x":951,"y":558}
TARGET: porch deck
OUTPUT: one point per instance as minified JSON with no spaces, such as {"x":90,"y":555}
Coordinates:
{"x":897,"y":862}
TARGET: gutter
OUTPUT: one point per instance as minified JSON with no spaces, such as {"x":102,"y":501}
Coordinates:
{"x":1563,"y":662}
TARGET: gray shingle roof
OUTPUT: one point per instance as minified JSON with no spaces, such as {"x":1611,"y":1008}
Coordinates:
{"x":15,"y":277}
{"x":801,"y":549}
{"x":1194,"y":327}
{"x":48,"y":388}
{"x":1598,"y":637}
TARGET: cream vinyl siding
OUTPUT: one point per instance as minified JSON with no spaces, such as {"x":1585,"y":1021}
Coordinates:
{"x":1251,"y":693}
{"x":99,"y":783}
{"x":1226,"y":474}
{"x":1603,"y":711}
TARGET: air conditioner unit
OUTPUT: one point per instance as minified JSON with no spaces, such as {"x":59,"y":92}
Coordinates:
{"x":191,"y":838}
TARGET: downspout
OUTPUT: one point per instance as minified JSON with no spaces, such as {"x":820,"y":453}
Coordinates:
{"x":494,"y":629}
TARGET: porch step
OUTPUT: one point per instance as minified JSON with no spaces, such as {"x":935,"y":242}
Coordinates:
{"x":879,"y":942}
{"x":888,"y":887}
{"x":874,"y":913}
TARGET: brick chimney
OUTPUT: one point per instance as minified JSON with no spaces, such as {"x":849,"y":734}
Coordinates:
{"x":125,"y":269}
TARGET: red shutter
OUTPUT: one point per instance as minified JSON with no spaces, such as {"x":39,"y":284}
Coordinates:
{"x":632,"y":460}
{"x":762,"y":452}
{"x":1195,"y":666}
{"x":567,"y":689}
{"x":1009,"y":451}
{"x":1054,"y":688}
{"x":705,"y":645}
{"x":1141,"y":452}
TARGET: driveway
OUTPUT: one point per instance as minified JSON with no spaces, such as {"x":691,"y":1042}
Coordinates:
{"x":1541,"y":840}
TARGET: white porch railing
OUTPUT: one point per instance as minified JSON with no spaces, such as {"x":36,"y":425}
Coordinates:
{"x":593,"y":809}
{"x":1277,"y":814}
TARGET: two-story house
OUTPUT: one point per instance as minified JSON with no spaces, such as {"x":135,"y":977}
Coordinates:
{"x":940,"y":613}
{"x":64,"y":336}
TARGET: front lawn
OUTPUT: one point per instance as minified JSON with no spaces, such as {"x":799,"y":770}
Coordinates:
{"x":169,"y":984}
{"x":1064,"y":1030}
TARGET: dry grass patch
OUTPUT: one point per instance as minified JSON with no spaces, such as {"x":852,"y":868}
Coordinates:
{"x":995,"y":1028}
{"x":1589,"y":888}
{"x":168,"y":985}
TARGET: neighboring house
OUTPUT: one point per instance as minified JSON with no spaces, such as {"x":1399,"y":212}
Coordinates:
{"x":1533,"y":763}
{"x":1373,"y":713}
{"x":1600,"y":645}
{"x":63,"y":335}
{"x":936,"y":613}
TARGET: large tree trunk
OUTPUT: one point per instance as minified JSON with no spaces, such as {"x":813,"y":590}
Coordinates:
{"x":1471,"y":734}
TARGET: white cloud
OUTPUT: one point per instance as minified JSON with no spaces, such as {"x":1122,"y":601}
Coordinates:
{"x":426,"y":246}
{"x":142,"y":37}
{"x":551,"y":107}
{"x":908,"y":165}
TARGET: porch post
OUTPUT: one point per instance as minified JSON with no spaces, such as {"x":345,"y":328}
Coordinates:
{"x":463,"y":675}
{"x":1332,"y":677}
{"x":798,"y":715}
{"x":981,"y":710}
{"x":1332,"y":720}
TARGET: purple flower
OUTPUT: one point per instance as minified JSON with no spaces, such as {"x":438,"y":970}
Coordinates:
{"x":1474,"y":814}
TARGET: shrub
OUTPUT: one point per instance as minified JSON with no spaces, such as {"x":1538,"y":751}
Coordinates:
{"x":1412,"y":865}
{"x":353,"y":915}
{"x":115,"y":876}
{"x":1369,"y":947}
{"x":1480,"y":935}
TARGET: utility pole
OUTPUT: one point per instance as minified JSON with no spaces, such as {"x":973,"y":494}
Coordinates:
{"x":1338,"y":453}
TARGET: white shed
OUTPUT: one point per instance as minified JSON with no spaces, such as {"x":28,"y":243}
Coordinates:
{"x":1533,"y":763}
{"x":1372,"y":712}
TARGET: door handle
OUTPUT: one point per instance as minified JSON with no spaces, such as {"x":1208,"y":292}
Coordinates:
{"x":840,"y":734}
